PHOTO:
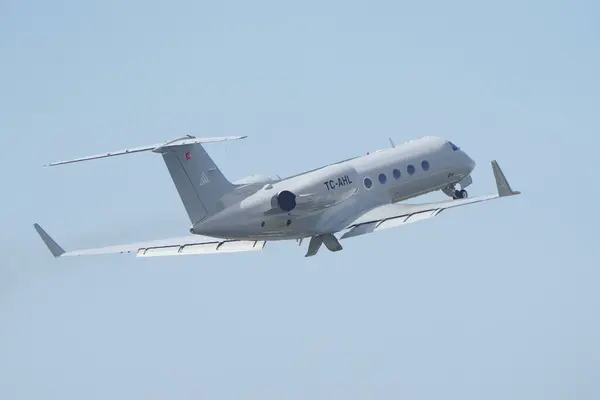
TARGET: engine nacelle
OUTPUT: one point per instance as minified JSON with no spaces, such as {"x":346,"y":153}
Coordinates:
{"x":316,"y":190}
{"x":286,"y":200}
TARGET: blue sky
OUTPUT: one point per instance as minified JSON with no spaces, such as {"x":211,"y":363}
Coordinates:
{"x":493,"y":301}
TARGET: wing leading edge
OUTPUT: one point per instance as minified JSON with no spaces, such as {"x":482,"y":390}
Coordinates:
{"x":185,"y":245}
{"x":393,"y":215}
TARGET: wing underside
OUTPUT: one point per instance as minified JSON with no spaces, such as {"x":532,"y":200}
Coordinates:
{"x":394,"y":215}
{"x":178,"y":246}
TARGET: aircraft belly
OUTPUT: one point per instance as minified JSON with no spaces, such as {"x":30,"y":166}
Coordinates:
{"x":419,"y":185}
{"x":278,"y":227}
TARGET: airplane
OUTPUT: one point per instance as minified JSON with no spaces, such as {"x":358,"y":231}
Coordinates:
{"x":348,"y":198}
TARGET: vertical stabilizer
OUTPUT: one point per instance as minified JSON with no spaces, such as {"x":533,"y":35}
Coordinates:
{"x":198,"y":180}
{"x":200,"y":184}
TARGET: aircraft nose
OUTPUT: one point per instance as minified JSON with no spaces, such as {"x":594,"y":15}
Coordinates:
{"x":470,"y":163}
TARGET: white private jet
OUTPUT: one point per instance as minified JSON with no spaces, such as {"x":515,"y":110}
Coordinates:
{"x":351,"y":197}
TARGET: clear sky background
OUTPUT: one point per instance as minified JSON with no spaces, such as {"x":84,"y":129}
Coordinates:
{"x":491,"y":301}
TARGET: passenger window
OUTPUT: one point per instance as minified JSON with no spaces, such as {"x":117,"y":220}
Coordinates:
{"x":368,"y":183}
{"x":425,"y":165}
{"x":410,"y":169}
{"x":382,"y":178}
{"x":396,"y":173}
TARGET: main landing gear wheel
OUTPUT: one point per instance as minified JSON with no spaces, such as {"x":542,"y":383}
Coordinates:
{"x":454,"y":193}
{"x":461,"y":194}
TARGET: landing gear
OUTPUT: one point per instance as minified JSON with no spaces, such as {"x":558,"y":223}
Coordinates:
{"x":452,"y":191}
{"x":456,"y":194}
{"x":460,"y":194}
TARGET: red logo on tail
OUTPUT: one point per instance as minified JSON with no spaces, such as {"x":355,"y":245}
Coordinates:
{"x":188,"y":155}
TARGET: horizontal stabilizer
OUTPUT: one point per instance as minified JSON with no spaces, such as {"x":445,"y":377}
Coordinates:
{"x":185,"y":245}
{"x":157,"y":148}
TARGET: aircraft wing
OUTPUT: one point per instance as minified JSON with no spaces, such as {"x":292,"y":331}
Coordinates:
{"x":393,"y":215}
{"x":185,"y":245}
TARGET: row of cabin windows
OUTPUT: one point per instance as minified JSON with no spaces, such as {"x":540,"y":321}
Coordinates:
{"x":396,"y":174}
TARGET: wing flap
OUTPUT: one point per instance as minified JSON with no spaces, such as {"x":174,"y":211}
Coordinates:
{"x":184,"y":245}
{"x":361,"y":229}
{"x":394,"y":215}
{"x":225,"y":246}
{"x":158,"y":251}
{"x":390,"y":223}
{"x":419,"y":216}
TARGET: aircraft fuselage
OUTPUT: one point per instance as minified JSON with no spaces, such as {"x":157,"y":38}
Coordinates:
{"x":327,"y":199}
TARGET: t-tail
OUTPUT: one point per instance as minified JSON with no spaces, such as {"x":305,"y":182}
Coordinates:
{"x":200,"y":183}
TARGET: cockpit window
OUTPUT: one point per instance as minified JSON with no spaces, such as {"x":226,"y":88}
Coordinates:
{"x":454,"y":147}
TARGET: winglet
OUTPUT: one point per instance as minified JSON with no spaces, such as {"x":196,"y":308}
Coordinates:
{"x":502,"y":184}
{"x":54,"y":248}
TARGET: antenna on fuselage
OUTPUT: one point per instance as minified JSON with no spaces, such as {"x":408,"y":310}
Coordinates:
{"x":392,"y":142}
